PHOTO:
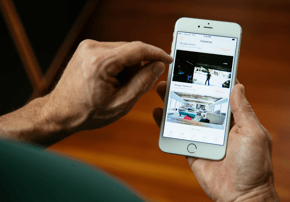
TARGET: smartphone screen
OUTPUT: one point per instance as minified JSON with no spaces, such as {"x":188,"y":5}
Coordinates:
{"x":198,"y":99}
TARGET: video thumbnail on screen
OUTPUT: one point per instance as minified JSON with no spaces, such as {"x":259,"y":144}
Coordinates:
{"x":203,"y":69}
{"x":198,"y":110}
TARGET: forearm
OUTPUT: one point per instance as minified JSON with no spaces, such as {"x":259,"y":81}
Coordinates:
{"x":28,"y":124}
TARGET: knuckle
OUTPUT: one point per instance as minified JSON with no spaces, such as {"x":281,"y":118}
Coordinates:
{"x":122,"y":43}
{"x":246,"y":107}
{"x":88,"y":43}
{"x":269,"y":138}
{"x":269,"y":135}
{"x":263,"y":135}
{"x":139,"y":46}
{"x":138,"y":43}
{"x":84,"y":42}
{"x":123,"y":112}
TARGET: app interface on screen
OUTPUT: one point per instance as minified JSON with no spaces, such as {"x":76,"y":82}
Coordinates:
{"x":198,"y":99}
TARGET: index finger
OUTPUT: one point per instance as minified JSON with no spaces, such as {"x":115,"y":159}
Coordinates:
{"x":161,"y":89}
{"x":111,"y":44}
{"x":135,"y":52}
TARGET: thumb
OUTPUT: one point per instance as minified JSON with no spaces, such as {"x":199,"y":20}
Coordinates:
{"x":141,"y":82}
{"x":242,"y":110}
{"x":145,"y":78}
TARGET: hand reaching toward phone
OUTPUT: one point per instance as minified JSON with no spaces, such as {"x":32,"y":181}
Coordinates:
{"x":246,"y":172}
{"x":100,"y":84}
{"x":92,"y":94}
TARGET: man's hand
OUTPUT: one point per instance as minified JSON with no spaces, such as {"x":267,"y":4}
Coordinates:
{"x":246,"y":172}
{"x":100,"y":84}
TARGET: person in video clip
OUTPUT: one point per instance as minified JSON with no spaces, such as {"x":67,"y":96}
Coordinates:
{"x":207,"y":77}
{"x":204,"y":119}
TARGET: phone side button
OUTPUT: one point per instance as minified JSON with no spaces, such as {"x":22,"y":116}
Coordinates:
{"x":191,"y":148}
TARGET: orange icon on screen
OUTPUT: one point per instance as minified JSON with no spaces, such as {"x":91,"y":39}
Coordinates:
{"x":219,"y":91}
{"x":181,"y":38}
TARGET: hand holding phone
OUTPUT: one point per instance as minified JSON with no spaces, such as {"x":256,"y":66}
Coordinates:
{"x":246,"y":172}
{"x":196,"y":116}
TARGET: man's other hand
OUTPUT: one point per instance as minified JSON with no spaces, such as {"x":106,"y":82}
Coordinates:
{"x":246,"y":172}
{"x":101,"y":83}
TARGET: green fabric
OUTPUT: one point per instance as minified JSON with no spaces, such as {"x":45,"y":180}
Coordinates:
{"x":27,"y":173}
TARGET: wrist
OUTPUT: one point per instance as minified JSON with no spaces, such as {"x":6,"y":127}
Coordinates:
{"x":28,"y":124}
{"x":55,"y":124}
{"x":62,"y":118}
{"x":265,"y":194}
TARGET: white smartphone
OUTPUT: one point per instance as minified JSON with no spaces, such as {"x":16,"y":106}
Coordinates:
{"x":196,"y":115}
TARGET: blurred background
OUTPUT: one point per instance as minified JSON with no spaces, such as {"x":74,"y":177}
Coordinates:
{"x":39,"y":37}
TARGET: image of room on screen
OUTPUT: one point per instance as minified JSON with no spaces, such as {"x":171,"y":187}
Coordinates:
{"x":197,"y":110}
{"x":203,"y":69}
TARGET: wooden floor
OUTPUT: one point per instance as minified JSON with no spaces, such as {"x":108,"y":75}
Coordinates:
{"x":128,"y":149}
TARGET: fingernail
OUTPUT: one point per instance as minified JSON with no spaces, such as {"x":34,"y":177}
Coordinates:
{"x":243,"y":89}
{"x":171,"y":60}
{"x":158,"y":69}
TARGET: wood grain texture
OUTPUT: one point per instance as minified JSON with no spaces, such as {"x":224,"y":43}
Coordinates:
{"x":128,"y":149}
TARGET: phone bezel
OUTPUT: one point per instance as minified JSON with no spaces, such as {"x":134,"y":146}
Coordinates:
{"x":219,"y":28}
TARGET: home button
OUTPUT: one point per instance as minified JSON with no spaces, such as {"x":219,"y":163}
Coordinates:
{"x":191,"y":148}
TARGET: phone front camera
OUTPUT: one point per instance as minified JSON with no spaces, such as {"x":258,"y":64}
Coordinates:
{"x":198,"y":26}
